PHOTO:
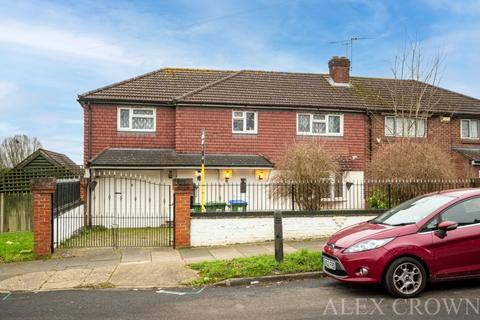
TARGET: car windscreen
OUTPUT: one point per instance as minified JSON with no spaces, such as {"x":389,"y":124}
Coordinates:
{"x":414,"y":210}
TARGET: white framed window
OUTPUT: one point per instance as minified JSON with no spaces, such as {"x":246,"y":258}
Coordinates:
{"x":319,"y":124}
{"x":470,"y":129}
{"x":136,"y":119}
{"x":405,"y":127}
{"x":244,"y":121}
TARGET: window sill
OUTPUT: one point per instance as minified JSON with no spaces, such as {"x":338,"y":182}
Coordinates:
{"x":245,"y":134}
{"x":135,"y":132}
{"x":402,"y":137}
{"x":320,"y":135}
{"x":470,"y":141}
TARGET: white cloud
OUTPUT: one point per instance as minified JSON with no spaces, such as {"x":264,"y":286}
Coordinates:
{"x":58,"y":41}
{"x":457,"y":6}
{"x":6,"y":89}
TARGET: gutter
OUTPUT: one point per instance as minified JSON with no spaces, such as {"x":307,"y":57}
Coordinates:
{"x":271,"y":107}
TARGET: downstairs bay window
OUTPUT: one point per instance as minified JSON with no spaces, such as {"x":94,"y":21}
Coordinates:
{"x":136,"y":119}
{"x":405,"y":127}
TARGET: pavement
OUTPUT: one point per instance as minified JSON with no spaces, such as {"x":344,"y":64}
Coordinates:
{"x":126,"y":267}
{"x":306,"y":299}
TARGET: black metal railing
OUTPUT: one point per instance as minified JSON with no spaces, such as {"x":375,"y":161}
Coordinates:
{"x":124,"y":211}
{"x":66,"y":196}
{"x":315,"y":196}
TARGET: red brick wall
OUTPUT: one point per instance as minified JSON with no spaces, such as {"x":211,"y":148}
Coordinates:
{"x":105,"y":134}
{"x":42,"y":189}
{"x":183,"y":189}
{"x":445,"y":135}
{"x":276,"y":130}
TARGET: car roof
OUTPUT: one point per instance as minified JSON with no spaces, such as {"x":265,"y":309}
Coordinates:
{"x":461,"y":193}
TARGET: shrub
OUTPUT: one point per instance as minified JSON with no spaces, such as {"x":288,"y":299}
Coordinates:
{"x":408,"y":160}
{"x":406,"y":169}
{"x":377,"y":200}
{"x":309,"y":167}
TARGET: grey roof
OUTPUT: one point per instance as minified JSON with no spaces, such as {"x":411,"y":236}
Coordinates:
{"x":469,"y":153}
{"x":267,"y":88}
{"x":128,"y":157}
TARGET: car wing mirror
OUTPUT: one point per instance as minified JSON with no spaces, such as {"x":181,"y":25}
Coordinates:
{"x":448,"y":225}
{"x":445,"y":226}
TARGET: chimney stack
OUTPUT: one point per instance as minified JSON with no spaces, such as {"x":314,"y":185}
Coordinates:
{"x":339,"y":70}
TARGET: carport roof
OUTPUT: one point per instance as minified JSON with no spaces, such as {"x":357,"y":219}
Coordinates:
{"x":169,"y":158}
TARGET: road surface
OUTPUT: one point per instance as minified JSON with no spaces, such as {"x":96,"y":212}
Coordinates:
{"x":305,"y":299}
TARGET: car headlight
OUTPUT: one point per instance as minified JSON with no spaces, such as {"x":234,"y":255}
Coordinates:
{"x":368,"y":245}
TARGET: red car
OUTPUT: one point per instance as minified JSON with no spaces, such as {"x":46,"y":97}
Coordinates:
{"x":433,"y":237}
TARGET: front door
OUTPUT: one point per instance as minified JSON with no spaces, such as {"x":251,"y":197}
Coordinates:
{"x":458,"y":254}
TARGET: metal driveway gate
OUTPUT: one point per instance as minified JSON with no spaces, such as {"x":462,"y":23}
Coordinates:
{"x":126,"y":210}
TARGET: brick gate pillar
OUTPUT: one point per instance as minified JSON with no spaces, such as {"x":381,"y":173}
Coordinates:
{"x":84,"y":199}
{"x":182,"y":189}
{"x":43,"y":189}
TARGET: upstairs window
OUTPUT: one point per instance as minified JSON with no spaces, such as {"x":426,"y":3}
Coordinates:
{"x":405,"y":127}
{"x":319,"y":124}
{"x":470,"y":129}
{"x":136,"y":119}
{"x":244,"y":122}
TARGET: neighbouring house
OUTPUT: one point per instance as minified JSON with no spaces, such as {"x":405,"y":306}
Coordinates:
{"x":16,"y":211}
{"x":152,"y":123}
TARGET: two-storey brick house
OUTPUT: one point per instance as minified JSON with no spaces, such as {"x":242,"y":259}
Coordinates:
{"x":152,"y":123}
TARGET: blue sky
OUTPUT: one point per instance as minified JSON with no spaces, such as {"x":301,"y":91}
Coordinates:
{"x":50,"y":51}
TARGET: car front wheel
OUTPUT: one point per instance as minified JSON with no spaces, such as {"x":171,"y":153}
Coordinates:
{"x":405,"y":278}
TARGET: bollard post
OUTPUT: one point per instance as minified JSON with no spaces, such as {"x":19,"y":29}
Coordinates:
{"x":278,"y":230}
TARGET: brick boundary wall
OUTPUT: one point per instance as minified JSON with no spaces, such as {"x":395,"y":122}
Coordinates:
{"x":42,"y":189}
{"x":182,"y":189}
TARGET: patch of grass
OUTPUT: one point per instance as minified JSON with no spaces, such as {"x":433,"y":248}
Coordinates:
{"x":16,"y":246}
{"x":214,"y":271}
{"x":99,"y":236}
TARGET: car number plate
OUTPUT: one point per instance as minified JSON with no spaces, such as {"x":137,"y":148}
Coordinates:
{"x":329,"y":263}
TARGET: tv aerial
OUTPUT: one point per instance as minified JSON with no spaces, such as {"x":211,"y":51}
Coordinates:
{"x":348,"y":43}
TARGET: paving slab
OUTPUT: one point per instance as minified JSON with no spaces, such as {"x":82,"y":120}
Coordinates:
{"x":26,"y":282}
{"x":70,"y":278}
{"x":135,"y":255}
{"x":252,"y":250}
{"x":148,"y":275}
{"x":314,"y":245}
{"x":166,"y":255}
{"x":226,"y":253}
{"x":196,"y":255}
{"x":18,"y":268}
{"x":98,"y":276}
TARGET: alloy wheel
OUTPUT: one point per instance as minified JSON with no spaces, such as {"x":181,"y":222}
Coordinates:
{"x":407,"y":278}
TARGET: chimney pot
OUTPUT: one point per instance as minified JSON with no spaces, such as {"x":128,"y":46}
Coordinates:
{"x":339,"y":68}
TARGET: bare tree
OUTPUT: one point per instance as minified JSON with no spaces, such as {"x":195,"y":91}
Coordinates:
{"x":14,"y":149}
{"x":413,"y":95}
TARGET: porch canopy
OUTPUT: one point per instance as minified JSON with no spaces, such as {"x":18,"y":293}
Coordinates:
{"x":471,"y":153}
{"x":168,"y":158}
